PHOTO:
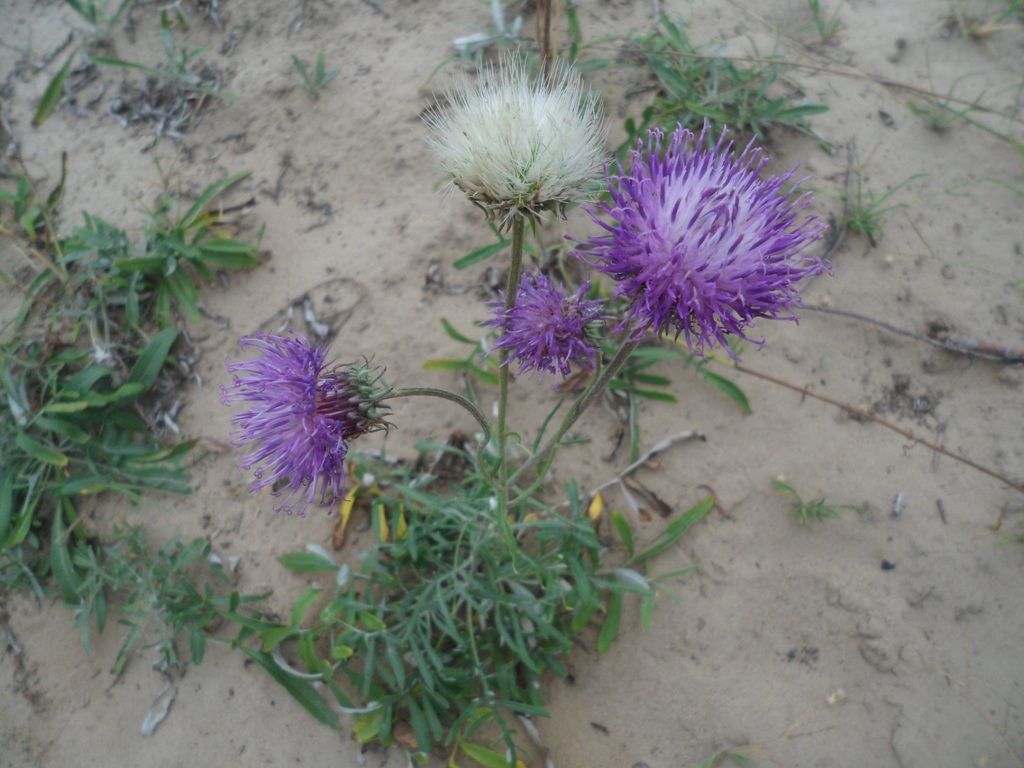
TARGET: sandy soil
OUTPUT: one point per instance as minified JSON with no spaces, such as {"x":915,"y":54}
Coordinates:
{"x":794,"y":645}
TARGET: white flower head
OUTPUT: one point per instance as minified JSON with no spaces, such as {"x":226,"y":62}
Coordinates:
{"x":517,"y":145}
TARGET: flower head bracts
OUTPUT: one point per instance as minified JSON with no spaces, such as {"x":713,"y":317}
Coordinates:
{"x":302,"y":414}
{"x":547,"y":330}
{"x":518,"y":146}
{"x":701,"y":244}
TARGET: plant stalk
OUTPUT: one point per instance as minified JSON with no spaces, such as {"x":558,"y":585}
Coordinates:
{"x":444,"y":394}
{"x":511,"y":289}
{"x":584,"y":401}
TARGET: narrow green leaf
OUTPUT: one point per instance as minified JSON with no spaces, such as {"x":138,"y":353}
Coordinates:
{"x":53,"y":93}
{"x":450,"y":330}
{"x":486,"y":757}
{"x":152,"y":359}
{"x":229,"y":254}
{"x":64,"y":429}
{"x":128,"y":391}
{"x":485,"y":376}
{"x":418,"y":723}
{"x":301,"y":606}
{"x":87,"y":378}
{"x":676,"y":530}
{"x":727,"y":387}
{"x":108,"y":61}
{"x":371,"y":621}
{"x":650,"y":394}
{"x":185,"y":294}
{"x":207,"y":197}
{"x":611,"y":625}
{"x":301,"y":68}
{"x":481,"y":254}
{"x":68,"y":582}
{"x":300,"y":690}
{"x":445,"y":365}
{"x":39,"y":451}
{"x":304,"y":562}
{"x":342,"y":699}
{"x":78,"y":405}
{"x":622,"y":528}
{"x":6,"y":500}
{"x":583,"y":614}
{"x":197,"y":644}
{"x":140,"y":264}
{"x":651,"y":380}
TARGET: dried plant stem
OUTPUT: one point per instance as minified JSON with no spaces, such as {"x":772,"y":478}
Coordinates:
{"x":971,"y":347}
{"x":862,"y":414}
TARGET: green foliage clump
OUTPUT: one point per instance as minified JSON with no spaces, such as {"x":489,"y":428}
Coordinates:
{"x":454,"y":613}
{"x":814,"y":511}
{"x":697,"y":87}
{"x":84,"y":360}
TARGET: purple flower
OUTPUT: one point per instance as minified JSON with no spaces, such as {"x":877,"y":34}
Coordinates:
{"x":302,"y":416}
{"x":546,"y":330}
{"x":701,"y":244}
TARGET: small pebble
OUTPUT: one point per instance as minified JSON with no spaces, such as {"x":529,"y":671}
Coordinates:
{"x":888,"y":565}
{"x":897,"y":505}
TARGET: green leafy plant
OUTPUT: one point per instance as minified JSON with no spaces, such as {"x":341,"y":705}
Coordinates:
{"x":454,"y":614}
{"x":154,"y":595}
{"x":816,"y":510}
{"x":827,"y":24}
{"x":941,"y":113}
{"x":864,"y":211}
{"x":70,"y":429}
{"x":696,"y":86}
{"x":181,"y":248}
{"x":185,"y":247}
{"x":313,"y":83}
{"x":178,"y":73}
{"x":80,"y":367}
{"x":98,"y":14}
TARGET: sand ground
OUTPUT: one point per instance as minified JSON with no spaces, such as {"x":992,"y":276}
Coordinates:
{"x":794,"y":645}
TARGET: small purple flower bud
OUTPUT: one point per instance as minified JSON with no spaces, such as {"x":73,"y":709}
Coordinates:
{"x":546,"y":330}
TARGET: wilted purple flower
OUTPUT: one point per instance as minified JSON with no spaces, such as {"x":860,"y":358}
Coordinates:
{"x":546,"y":330}
{"x":302,"y":415}
{"x":701,"y":244}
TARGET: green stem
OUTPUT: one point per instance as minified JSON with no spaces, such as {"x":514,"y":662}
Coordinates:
{"x":547,"y":453}
{"x":511,"y":289}
{"x":444,"y":394}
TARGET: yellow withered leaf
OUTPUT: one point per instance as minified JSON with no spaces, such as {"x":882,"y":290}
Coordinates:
{"x":344,"y":513}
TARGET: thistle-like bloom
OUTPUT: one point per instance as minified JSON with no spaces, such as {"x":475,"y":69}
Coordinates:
{"x":517,"y":146}
{"x":302,"y":414}
{"x":701,"y":244}
{"x":546,"y":330}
